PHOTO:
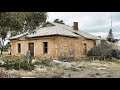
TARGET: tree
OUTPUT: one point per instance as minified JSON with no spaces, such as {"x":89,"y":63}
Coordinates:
{"x":20,"y":22}
{"x":56,"y":20}
{"x":3,"y":36}
{"x":110,"y":37}
{"x":59,"y":21}
{"x":34,"y":19}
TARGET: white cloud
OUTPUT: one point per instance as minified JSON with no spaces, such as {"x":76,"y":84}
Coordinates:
{"x":97,"y":23}
{"x":84,"y":18}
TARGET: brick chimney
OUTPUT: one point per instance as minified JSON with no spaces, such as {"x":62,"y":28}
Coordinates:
{"x":75,"y":26}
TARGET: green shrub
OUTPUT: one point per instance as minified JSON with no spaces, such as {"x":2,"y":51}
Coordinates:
{"x":37,"y":63}
{"x":43,"y":62}
{"x":46,"y":63}
{"x":116,"y":53}
{"x":109,"y":53}
{"x":26,"y":66}
{"x":19,"y":62}
{"x":113,"y":53}
{"x":18,"y":65}
{"x":95,"y":51}
{"x":8,"y":64}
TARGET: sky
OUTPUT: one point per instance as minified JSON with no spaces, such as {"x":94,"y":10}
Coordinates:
{"x":96,"y":23}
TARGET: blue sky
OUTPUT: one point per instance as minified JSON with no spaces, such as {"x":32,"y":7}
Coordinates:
{"x":96,"y":23}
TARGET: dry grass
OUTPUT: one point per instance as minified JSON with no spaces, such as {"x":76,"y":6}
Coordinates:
{"x":84,"y":70}
{"x":75,"y":69}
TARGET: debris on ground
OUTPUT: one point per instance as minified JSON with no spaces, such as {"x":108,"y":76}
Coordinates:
{"x":2,"y":62}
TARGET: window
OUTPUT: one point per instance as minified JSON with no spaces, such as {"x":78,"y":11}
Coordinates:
{"x":45,"y":47}
{"x":85,"y":49}
{"x":19,"y":48}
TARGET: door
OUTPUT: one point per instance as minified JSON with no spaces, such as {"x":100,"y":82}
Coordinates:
{"x":31,"y":48}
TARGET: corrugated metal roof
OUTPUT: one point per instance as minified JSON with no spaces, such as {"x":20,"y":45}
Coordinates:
{"x":58,"y":29}
{"x":87,"y":35}
{"x":52,"y":30}
{"x":80,"y":32}
{"x":18,"y":36}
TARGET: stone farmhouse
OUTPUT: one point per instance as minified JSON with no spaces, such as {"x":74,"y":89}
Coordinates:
{"x":54,"y":40}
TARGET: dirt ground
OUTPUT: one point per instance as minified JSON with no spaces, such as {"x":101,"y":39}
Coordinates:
{"x":81,"y":69}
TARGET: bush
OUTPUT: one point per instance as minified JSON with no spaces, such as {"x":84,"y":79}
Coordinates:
{"x":46,"y":63}
{"x":18,"y":65}
{"x":43,"y":62}
{"x":109,"y":54}
{"x":116,"y":53}
{"x":95,"y":51}
{"x":26,"y":66}
{"x":113,"y":53}
{"x":16,"y":62}
{"x":102,"y":49}
{"x":37,"y":63}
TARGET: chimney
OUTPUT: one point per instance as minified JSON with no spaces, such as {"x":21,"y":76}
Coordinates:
{"x":75,"y":26}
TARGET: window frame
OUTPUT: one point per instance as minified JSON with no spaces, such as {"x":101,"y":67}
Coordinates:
{"x":19,"y":48}
{"x":45,"y":47}
{"x":84,"y":48}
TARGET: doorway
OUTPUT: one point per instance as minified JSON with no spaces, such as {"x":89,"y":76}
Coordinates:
{"x":31,"y":48}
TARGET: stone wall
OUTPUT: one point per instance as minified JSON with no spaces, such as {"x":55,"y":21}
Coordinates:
{"x":72,"y":47}
{"x":57,"y":46}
